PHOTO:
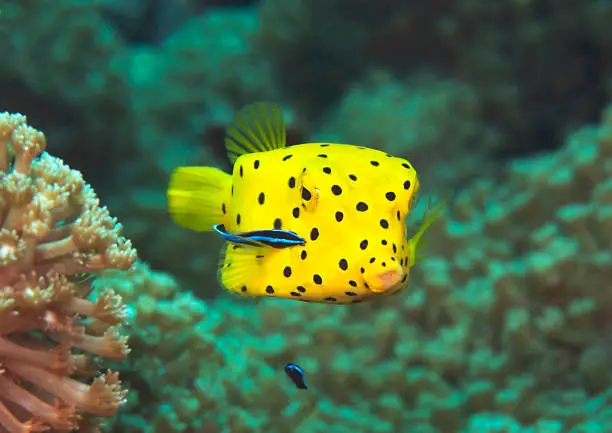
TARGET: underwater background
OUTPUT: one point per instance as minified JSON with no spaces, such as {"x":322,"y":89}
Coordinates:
{"x":504,"y":107}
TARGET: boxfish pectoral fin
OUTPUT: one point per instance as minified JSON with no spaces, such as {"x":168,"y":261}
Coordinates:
{"x":274,"y":238}
{"x":241,"y":267}
{"x":417,"y":244}
{"x":257,"y":127}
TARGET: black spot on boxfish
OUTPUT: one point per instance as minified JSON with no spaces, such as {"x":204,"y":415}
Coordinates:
{"x":238,"y":219}
{"x":336,"y":190}
{"x":223,"y":209}
{"x":269,"y":290}
{"x":326,"y":170}
{"x":407,"y":184}
{"x":261,"y":198}
{"x":373,"y":259}
{"x":296,"y":294}
{"x":301,"y":289}
{"x":256,"y":164}
{"x":352,"y":177}
{"x":362,"y":270}
{"x":398,"y":215}
{"x":339,"y":216}
{"x":303,"y":255}
{"x":384,"y":242}
{"x":362,"y":207}
{"x":243,"y":289}
{"x":343,"y":264}
{"x":241,"y":171}
{"x":406,"y":166}
{"x":383,"y":264}
{"x":325,"y":145}
{"x":306,"y":195}
{"x":314,"y":234}
{"x":352,"y":283}
{"x":287,"y":157}
{"x":322,"y":155}
{"x":348,"y":293}
{"x":330,"y":299}
{"x":390,"y":196}
{"x":278,"y":224}
{"x":232,"y":189}
{"x":394,"y":249}
{"x":292,"y":182}
{"x":317,"y":279}
{"x":404,"y":278}
{"x":296,"y":212}
{"x":384,"y":223}
{"x":375,"y":163}
{"x":287,"y":271}
{"x":363,"y":244}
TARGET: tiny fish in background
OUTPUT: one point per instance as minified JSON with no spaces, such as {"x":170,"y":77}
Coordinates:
{"x":296,"y":374}
{"x":317,"y":222}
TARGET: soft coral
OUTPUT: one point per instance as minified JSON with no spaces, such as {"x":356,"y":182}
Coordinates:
{"x":52,"y":233}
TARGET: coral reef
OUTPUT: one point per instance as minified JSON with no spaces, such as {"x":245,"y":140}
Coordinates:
{"x":416,"y":119}
{"x":54,"y":234}
{"x":538,"y":67}
{"x":63,"y":71}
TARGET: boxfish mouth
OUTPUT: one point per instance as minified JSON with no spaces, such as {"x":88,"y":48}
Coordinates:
{"x":384,"y":281}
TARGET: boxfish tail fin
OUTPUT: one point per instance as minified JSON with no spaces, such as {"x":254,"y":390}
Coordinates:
{"x":199,"y":197}
{"x":417,"y":244}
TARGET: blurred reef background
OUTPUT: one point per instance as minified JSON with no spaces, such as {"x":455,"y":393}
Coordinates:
{"x":507,"y":104}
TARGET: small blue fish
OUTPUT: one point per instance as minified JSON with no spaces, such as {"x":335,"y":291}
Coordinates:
{"x":296,"y":374}
{"x":274,"y":238}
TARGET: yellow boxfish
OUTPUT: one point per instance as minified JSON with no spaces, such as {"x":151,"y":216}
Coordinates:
{"x":319,"y":222}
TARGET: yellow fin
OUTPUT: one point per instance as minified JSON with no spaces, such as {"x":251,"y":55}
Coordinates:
{"x":257,"y":127}
{"x":239,"y":265}
{"x":417,"y":244}
{"x":199,"y":197}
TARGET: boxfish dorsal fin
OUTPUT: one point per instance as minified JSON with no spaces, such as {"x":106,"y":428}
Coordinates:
{"x":257,"y":127}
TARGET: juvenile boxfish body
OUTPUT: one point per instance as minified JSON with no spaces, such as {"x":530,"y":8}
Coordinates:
{"x":319,"y":222}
